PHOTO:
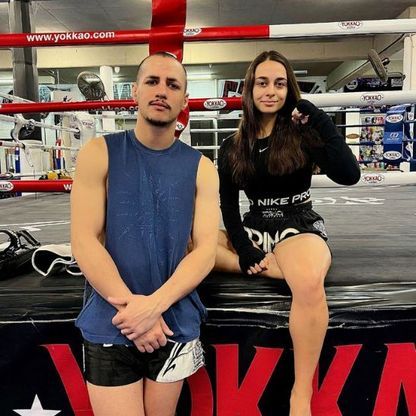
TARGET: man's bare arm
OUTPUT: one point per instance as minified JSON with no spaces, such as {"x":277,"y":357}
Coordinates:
{"x":88,"y":208}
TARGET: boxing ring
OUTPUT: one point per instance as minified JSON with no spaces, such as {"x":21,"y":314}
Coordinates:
{"x":368,"y":362}
{"x":368,"y":358}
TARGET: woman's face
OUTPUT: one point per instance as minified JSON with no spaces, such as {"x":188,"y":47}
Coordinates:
{"x":270,"y":87}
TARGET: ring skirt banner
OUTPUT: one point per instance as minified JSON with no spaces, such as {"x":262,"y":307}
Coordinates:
{"x":367,"y":366}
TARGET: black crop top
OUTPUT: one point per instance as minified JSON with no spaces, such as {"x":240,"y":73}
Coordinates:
{"x":265,"y":190}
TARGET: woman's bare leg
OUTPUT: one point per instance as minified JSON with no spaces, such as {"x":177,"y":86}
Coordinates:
{"x":304,"y":260}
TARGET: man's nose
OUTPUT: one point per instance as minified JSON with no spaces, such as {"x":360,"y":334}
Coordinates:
{"x":161,"y":91}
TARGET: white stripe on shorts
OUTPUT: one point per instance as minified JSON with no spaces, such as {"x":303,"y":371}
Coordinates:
{"x":184,"y":360}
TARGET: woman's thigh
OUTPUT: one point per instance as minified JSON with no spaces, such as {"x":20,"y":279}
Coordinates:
{"x":302,"y":257}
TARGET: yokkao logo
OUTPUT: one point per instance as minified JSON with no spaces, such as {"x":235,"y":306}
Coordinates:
{"x":369,"y":98}
{"x":89,"y":124}
{"x":350,"y":25}
{"x":392,"y":155}
{"x":373,"y":178}
{"x":215,"y":104}
{"x":192,"y":32}
{"x":394,"y":118}
{"x":6,"y":186}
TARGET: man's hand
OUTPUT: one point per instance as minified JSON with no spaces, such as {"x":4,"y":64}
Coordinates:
{"x":155,"y":338}
{"x":138,"y":316}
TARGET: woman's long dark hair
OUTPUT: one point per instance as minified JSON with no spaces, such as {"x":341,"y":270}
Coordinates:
{"x":285,"y":142}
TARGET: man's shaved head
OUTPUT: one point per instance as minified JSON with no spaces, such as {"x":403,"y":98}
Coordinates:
{"x":164,"y":54}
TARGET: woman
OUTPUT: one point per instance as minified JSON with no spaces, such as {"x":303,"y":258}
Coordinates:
{"x":280,"y":141}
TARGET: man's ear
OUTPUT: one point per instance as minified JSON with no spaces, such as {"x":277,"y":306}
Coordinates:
{"x":135,"y":92}
{"x":185,"y":101}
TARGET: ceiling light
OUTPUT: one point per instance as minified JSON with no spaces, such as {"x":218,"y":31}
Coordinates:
{"x":199,"y":76}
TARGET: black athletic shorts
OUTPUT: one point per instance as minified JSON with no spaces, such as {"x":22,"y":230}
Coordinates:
{"x":119,"y":365}
{"x":267,"y":227}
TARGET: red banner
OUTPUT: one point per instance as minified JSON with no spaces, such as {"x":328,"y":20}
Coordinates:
{"x":168,"y":24}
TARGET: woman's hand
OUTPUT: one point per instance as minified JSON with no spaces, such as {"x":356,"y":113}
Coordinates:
{"x":299,"y":117}
{"x":252,"y":260}
{"x":303,"y":111}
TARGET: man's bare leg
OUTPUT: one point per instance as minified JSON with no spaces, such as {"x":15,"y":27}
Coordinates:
{"x":161,"y":399}
{"x":120,"y":400}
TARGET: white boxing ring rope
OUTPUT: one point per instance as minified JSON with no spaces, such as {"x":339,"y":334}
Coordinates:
{"x":28,"y":145}
{"x":15,"y":98}
{"x":22,"y":145}
{"x":31,"y":122}
{"x":358,"y":99}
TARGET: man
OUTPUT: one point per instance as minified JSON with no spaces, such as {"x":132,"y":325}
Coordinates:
{"x":138,"y":198}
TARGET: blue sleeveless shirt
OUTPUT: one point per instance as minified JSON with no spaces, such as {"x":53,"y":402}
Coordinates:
{"x":150,"y":205}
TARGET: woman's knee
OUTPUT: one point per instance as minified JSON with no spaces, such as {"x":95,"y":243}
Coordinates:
{"x":309,"y":289}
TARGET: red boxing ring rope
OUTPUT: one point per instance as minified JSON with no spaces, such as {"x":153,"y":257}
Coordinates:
{"x":119,"y":37}
{"x":347,"y":28}
{"x":377,"y":98}
{"x":58,"y":185}
{"x":318,"y":181}
{"x":196,"y":104}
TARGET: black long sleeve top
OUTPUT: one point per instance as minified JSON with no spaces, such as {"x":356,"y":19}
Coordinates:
{"x":263,"y":189}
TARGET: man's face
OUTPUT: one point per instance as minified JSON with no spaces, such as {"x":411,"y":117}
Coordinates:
{"x":160,"y":91}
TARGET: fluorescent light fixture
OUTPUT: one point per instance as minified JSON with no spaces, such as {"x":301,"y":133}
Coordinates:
{"x":203,"y":76}
{"x":199,"y":76}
